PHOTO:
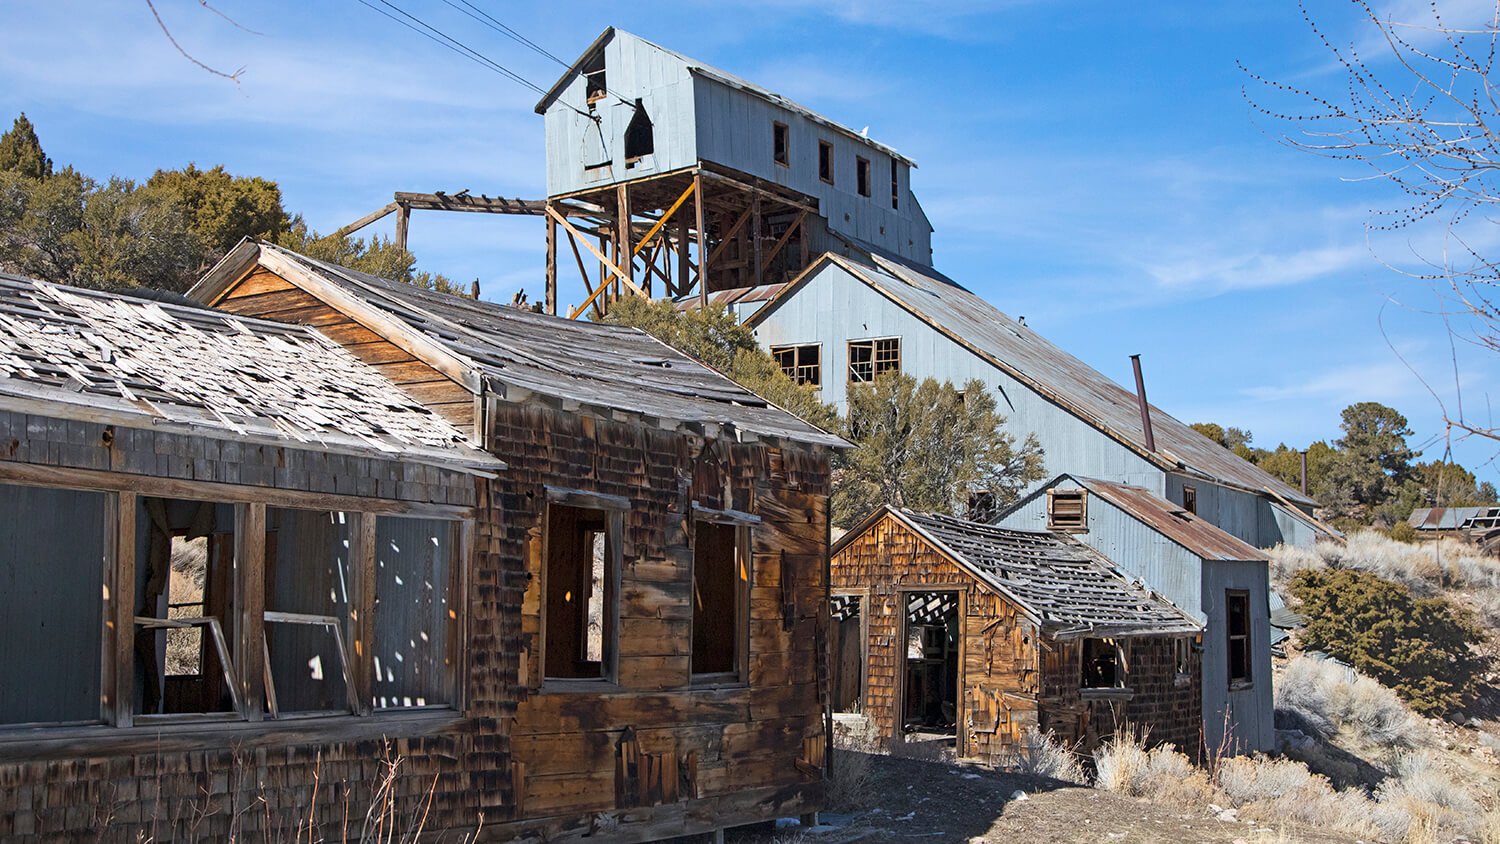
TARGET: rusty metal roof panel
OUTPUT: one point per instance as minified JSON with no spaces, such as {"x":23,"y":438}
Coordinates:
{"x":1449,"y":518}
{"x":1032,"y":359}
{"x":603,"y":365}
{"x":208,"y":371}
{"x":1172,"y":521}
{"x":1071,"y":588}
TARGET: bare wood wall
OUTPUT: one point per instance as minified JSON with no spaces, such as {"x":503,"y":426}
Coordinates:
{"x":1163,"y":704}
{"x":999,"y":683}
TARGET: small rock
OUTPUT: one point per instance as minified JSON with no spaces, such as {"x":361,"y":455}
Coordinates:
{"x":971,"y":776}
{"x":1019,"y":795}
{"x":1229,"y":815}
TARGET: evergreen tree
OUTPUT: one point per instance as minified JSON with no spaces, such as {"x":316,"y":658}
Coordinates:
{"x":222,"y":208}
{"x":21,"y":151}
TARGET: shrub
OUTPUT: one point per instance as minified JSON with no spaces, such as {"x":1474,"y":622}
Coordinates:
{"x":1417,"y":646}
{"x":1323,"y":699}
{"x":1042,"y":755}
{"x":856,"y":741}
{"x":1120,"y":764}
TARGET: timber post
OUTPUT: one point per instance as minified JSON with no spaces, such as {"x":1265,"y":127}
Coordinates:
{"x":551,"y":264}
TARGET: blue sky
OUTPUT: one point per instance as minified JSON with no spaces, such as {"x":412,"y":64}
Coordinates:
{"x":1091,"y":166}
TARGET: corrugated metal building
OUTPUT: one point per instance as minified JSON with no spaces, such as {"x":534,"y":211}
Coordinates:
{"x":1209,"y":574}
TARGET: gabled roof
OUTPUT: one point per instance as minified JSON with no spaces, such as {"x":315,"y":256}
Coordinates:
{"x":1454,"y":518}
{"x":77,"y":353}
{"x":723,"y":78}
{"x":1031,"y":359}
{"x":516,"y":352}
{"x":1171,"y":521}
{"x":1069,"y":589}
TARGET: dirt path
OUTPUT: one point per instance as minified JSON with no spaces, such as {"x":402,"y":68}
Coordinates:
{"x":915,"y":801}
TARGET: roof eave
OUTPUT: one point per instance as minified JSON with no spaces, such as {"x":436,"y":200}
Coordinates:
{"x":557,"y":87}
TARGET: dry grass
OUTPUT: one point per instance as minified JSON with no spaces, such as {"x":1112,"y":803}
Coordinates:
{"x":1162,"y":774}
{"x":855,"y":741}
{"x":1042,"y":755}
{"x":1424,"y":568}
{"x":1327,"y":700}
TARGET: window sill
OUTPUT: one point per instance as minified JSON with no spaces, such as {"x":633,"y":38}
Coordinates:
{"x":103,"y":740}
{"x":1241,"y":686}
{"x":1107,"y":694}
{"x":714,"y":682}
{"x":572,"y":686}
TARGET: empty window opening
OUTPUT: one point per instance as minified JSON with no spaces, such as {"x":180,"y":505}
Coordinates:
{"x":185,"y":610}
{"x":869,"y":359}
{"x":1185,"y":658}
{"x":721,"y":581}
{"x":1190,"y":499}
{"x":52,"y":542}
{"x":847,"y":652}
{"x":416,"y":620}
{"x":862,"y":175}
{"x":930,"y":643}
{"x":781,"y":147}
{"x":1103,"y":664}
{"x":593,"y":74}
{"x":825,"y":161}
{"x":1067,"y":510}
{"x":802,"y":364}
{"x":582,"y":570}
{"x":1237,"y":625}
{"x":638,"y":138}
{"x":307,"y":583}
{"x":895,"y":185}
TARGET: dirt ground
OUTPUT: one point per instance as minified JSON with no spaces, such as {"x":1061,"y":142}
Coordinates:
{"x":908,"y":800}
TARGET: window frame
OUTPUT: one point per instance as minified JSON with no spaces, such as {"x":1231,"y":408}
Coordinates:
{"x":895,"y":186}
{"x":877,"y":366}
{"x":1081,"y":525}
{"x":1246,"y":638}
{"x":1190,"y":499}
{"x":744,"y":525}
{"x":816,"y":368}
{"x":825,"y":162}
{"x":781,"y":144}
{"x":614,"y":508}
{"x":862,"y":176}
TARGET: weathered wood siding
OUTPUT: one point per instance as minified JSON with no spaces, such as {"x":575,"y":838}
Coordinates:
{"x":662,"y":756}
{"x":1163,"y":705}
{"x":999,"y":670}
{"x":266,"y":295}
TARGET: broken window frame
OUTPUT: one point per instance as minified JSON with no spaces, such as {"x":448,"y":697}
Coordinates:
{"x":872,"y":357}
{"x":895,"y":185}
{"x":613,"y":508}
{"x":781,"y":143}
{"x":1071,"y":517}
{"x":743,"y":524}
{"x":793,"y":360}
{"x":825,"y":161}
{"x":861,"y":601}
{"x":862,"y":175}
{"x":1102,"y":646}
{"x":1240,"y":639}
{"x":1190,"y":499}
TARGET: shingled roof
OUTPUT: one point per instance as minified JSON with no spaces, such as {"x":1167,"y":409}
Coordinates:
{"x":88,"y":354}
{"x":1068,"y":588}
{"x":1033,"y":360}
{"x":515,"y":351}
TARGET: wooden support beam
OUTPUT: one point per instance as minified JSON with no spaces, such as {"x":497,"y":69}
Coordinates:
{"x":608,"y":264}
{"x":250,"y":598}
{"x":682,"y":254}
{"x":759,"y":191}
{"x":122,"y":622}
{"x":626,"y":254}
{"x":702,"y":255}
{"x":364,"y":221}
{"x":755,"y":237}
{"x":478,"y":204}
{"x":665,"y":217}
{"x":728,"y":236}
{"x":786,"y":236}
{"x":551,"y":305}
{"x":403,"y":219}
{"x":582,"y":270}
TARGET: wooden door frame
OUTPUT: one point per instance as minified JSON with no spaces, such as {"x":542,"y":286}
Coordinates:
{"x":960,"y":743}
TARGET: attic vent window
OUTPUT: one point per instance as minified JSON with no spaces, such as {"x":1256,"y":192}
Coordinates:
{"x":1067,"y":510}
{"x":593,"y":74}
{"x":871,"y":358}
{"x":825,"y":161}
{"x":895,"y":189}
{"x":1190,"y":499}
{"x":638,"y":138}
{"x":803,"y":364}
{"x":862,"y":175}
{"x":781,"y":151}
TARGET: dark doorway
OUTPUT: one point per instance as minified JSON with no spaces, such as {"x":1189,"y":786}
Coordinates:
{"x":930,"y":649}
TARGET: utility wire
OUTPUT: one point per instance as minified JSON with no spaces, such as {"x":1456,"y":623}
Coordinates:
{"x":505,"y":30}
{"x":447,"y":41}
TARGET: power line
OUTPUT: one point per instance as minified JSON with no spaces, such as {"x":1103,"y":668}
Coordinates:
{"x":500,"y":27}
{"x":447,"y":41}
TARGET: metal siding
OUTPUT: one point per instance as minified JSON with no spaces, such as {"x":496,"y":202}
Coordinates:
{"x":1245,"y":716}
{"x":1238,"y":513}
{"x":834,"y":307}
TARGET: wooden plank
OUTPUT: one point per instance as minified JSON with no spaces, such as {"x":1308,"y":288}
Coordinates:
{"x":258,"y":282}
{"x":605,"y":263}
{"x":665,"y":217}
{"x":122,"y":624}
{"x":551,"y":305}
{"x":364,"y":221}
{"x":476,"y":204}
{"x":361,"y":619}
{"x":250,"y":600}
{"x":703,"y":262}
{"x":622,"y":221}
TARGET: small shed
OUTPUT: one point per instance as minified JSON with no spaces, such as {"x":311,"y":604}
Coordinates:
{"x":1216,"y":578}
{"x":949,"y":627}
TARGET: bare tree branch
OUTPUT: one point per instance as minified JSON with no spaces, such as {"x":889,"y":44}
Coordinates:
{"x":233,"y":77}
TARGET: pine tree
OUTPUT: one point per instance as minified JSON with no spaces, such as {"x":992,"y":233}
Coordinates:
{"x":21,"y":152}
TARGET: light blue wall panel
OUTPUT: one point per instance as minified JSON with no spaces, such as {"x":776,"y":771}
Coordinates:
{"x":1248,"y":713}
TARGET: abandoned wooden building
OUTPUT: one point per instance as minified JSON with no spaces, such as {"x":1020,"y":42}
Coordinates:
{"x":648,"y":593}
{"x":232,"y":558}
{"x":948,"y":627}
{"x":1219,"y":580}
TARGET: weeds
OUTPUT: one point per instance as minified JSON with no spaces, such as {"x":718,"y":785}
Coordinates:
{"x":1424,"y":568}
{"x":1041,"y":755}
{"x":856,"y":739}
{"x":1325,"y":699}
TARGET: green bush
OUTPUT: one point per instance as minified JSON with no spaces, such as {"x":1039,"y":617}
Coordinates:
{"x":1417,"y":646}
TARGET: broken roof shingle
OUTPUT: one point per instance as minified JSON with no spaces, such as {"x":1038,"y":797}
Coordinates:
{"x":1185,"y":528}
{"x":170,"y":364}
{"x":1071,"y":588}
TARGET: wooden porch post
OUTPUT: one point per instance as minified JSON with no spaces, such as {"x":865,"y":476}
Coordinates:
{"x":551,"y":264}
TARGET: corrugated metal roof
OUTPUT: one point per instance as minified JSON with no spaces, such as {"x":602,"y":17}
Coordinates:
{"x":1172,"y":521}
{"x":1454,"y":518}
{"x":719,"y":76}
{"x":1071,"y":588}
{"x":609,"y":366}
{"x":1030,"y":358}
{"x":212,"y":371}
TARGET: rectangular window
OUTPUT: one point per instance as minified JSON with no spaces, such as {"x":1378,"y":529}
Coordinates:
{"x":593,"y":74}
{"x":1190,"y":499}
{"x":862,"y":175}
{"x":802,"y":364}
{"x":307,"y":580}
{"x":415,"y":641}
{"x":583,"y":567}
{"x":52,"y":547}
{"x":825,"y":161}
{"x":721,"y":599}
{"x":895,"y":189}
{"x":781,"y":147}
{"x":869,"y":359}
{"x":1237,"y":626}
{"x":1067,"y":510}
{"x":1103,"y":664}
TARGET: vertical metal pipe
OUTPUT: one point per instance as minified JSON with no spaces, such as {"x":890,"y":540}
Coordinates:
{"x":1304,"y":471}
{"x":1140,"y":397}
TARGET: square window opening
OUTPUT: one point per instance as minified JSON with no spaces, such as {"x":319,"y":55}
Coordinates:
{"x":1067,"y":510}
{"x":1103,"y":664}
{"x":802,"y":364}
{"x":869,"y":359}
{"x":1190,"y":499}
{"x":581,"y":582}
